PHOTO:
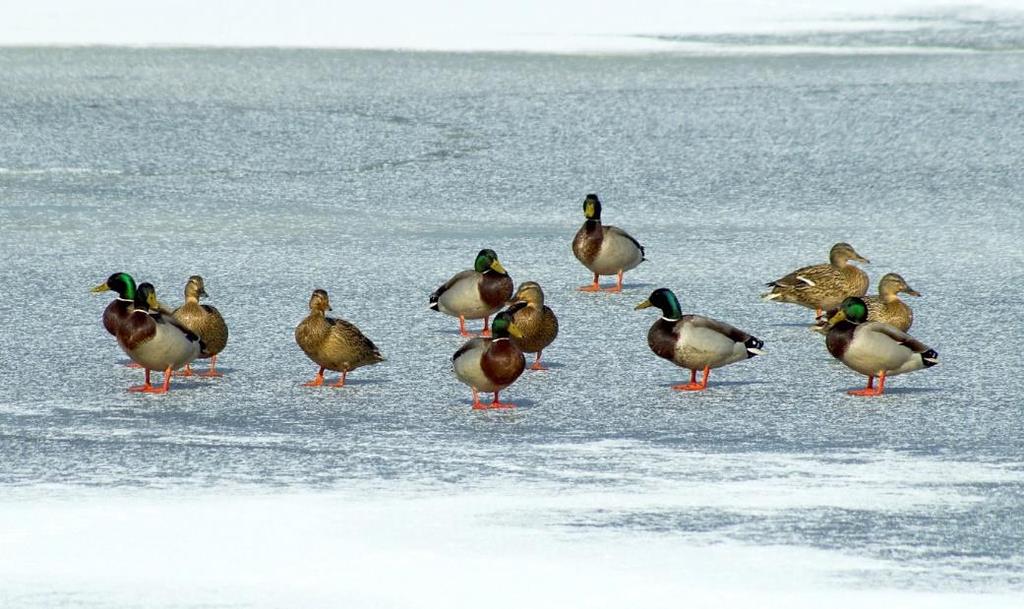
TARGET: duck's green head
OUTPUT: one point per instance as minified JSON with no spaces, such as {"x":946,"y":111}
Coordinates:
{"x":664,"y":299}
{"x":592,"y":207}
{"x":853,"y":310}
{"x":122,"y":283}
{"x":503,"y":326}
{"x":487,"y":260}
{"x":145,"y":298}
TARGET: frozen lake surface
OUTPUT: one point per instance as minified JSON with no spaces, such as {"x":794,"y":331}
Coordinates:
{"x":377,"y":175}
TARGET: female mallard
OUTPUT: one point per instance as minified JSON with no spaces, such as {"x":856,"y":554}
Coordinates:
{"x":822,"y":286}
{"x":155,"y":341}
{"x":605,"y":250}
{"x":874,"y":348}
{"x":695,"y":342}
{"x":535,"y":320}
{"x":476,"y":293}
{"x":491,"y":364}
{"x":121,"y":307}
{"x":886,"y":307}
{"x":204,"y":320}
{"x":334,"y":344}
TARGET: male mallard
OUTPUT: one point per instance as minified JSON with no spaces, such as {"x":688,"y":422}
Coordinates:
{"x":334,"y":344}
{"x":605,"y":250}
{"x":121,"y":307}
{"x":535,"y":320}
{"x":476,"y":293}
{"x":886,"y":307}
{"x":491,"y":364}
{"x":154,"y":340}
{"x":822,"y":286}
{"x":204,"y":320}
{"x":695,"y":342}
{"x":874,"y":348}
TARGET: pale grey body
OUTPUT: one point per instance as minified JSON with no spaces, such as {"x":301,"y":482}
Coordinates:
{"x":168,"y":348}
{"x":877,"y":347}
{"x":463,"y":297}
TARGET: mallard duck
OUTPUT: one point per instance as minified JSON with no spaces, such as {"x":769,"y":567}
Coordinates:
{"x":535,"y":320}
{"x":822,"y":286}
{"x":204,"y":320}
{"x":333,"y":344}
{"x":605,"y":250}
{"x":694,"y":341}
{"x":886,"y":307}
{"x":476,"y":293}
{"x":155,"y":341}
{"x":874,"y":348}
{"x":491,"y":364}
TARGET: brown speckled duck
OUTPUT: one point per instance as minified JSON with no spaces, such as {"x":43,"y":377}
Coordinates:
{"x":203,"y":320}
{"x":605,"y":250}
{"x":873,"y":348}
{"x":154,"y":340}
{"x":475,"y":293}
{"x":694,"y":341}
{"x":822,"y":286}
{"x":491,"y":364}
{"x":886,"y":307}
{"x":536,"y":321}
{"x":333,"y":344}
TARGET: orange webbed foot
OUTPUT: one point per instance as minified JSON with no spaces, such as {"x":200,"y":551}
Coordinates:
{"x":141,"y":388}
{"x":590,"y":288}
{"x":615,"y":289}
{"x":210,"y":374}
{"x":538,"y":366}
{"x":864,"y":392}
{"x":690,"y":387}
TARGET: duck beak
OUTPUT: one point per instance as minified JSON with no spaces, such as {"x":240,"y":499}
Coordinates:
{"x":838,"y":317}
{"x":154,"y":304}
{"x":202,"y":292}
{"x":860,"y":258}
{"x":642,"y":305}
{"x":515,"y":331}
{"x":103,"y":287}
{"x":496,"y":266}
{"x":908,"y":290}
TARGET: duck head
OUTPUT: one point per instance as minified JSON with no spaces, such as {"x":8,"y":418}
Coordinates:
{"x":319,"y":302}
{"x":592,"y":207}
{"x":892,"y":283}
{"x":853,"y":310}
{"x":503,"y":327}
{"x":841,"y":253}
{"x":122,"y":283}
{"x":528,"y":292}
{"x":664,"y":299}
{"x":145,"y":298}
{"x":195,"y":288}
{"x":487,"y":260}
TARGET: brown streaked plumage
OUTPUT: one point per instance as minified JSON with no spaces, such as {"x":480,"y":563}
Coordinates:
{"x":535,"y":320}
{"x":333,"y":344}
{"x":886,"y":307}
{"x":822,"y":286}
{"x":204,"y":320}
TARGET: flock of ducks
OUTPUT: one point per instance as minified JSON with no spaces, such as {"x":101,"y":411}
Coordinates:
{"x":868,"y":334}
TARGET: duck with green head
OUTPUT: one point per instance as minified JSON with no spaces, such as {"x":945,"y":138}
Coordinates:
{"x":332,"y":343}
{"x":154,"y":340}
{"x":822,"y":286}
{"x":604,"y":249}
{"x":873,"y":348}
{"x":118,"y":310}
{"x":694,"y":341}
{"x":475,"y":293}
{"x":204,"y":320}
{"x":491,"y":364}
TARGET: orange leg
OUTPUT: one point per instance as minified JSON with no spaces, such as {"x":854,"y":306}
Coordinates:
{"x":487,"y":330}
{"x":618,"y":285}
{"x":145,"y":387}
{"x":462,"y":327}
{"x":341,"y":381}
{"x":594,"y":287}
{"x":167,"y":382}
{"x":869,"y":390}
{"x":537,"y":365}
{"x":188,"y":370}
{"x":817,"y":312}
{"x":317,"y":380}
{"x":212,"y":372}
{"x":693,"y":385}
{"x":477,"y":404}
{"x":496,"y":403}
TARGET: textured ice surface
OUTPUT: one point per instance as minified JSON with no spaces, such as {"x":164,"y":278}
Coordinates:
{"x":376,"y":176}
